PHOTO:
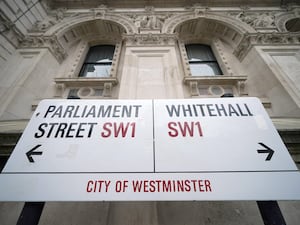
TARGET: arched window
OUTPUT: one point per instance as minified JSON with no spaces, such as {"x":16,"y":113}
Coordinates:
{"x":293,"y":25}
{"x":202,"y":60}
{"x":98,"y":61}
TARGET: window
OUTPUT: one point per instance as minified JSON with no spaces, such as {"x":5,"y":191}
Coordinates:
{"x":202,"y":60}
{"x":293,"y":25}
{"x":98,"y":61}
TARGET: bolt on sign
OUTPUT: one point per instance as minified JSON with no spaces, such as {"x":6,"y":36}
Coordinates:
{"x":114,"y":150}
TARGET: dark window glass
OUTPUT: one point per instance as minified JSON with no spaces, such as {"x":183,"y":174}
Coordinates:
{"x":98,"y":61}
{"x":202,"y":60}
{"x":293,"y":25}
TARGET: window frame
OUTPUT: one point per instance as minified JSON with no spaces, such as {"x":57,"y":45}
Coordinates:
{"x":86,"y":62}
{"x":71,"y":79}
{"x":212,"y":60}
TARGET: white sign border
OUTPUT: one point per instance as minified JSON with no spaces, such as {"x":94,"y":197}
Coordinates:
{"x":283,"y":185}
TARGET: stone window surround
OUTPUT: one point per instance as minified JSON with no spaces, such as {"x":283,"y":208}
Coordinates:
{"x":227,"y":79}
{"x":64,"y":84}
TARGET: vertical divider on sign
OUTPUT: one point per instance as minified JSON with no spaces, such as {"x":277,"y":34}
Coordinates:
{"x":153,"y":135}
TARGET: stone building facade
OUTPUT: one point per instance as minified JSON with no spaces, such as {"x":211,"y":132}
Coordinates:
{"x":44,"y":45}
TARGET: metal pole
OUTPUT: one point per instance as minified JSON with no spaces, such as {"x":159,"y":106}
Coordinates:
{"x":269,"y":210}
{"x":271,"y":213}
{"x":31,"y":213}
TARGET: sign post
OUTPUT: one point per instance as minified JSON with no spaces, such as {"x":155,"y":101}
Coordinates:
{"x":120,"y":150}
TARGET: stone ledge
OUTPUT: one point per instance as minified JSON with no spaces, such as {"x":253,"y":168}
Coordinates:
{"x":286,"y":124}
{"x":85,"y":81}
{"x":217,"y":80}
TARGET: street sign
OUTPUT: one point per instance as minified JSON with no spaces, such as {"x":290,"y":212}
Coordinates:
{"x":188,"y":149}
{"x":86,"y":136}
{"x":220,"y":134}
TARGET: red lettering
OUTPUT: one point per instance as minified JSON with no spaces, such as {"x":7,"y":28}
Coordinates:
{"x":121,"y":129}
{"x":125,"y":185}
{"x":106,"y":127}
{"x":97,"y":185}
{"x":146,"y":185}
{"x":158,"y":184}
{"x":201,"y":185}
{"x":207,"y":185}
{"x":167,"y":186}
{"x":175,"y":132}
{"x":118,"y":186}
{"x":194,"y":184}
{"x":132,"y":129}
{"x":152,"y":185}
{"x":137,"y":186}
{"x":187,"y":185}
{"x":189,"y":129}
{"x":199,"y":128}
{"x":186,"y":127}
{"x":118,"y":129}
{"x":88,"y":186}
{"x":180,"y":186}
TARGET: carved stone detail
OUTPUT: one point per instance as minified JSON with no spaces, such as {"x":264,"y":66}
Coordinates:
{"x":49,"y":42}
{"x":148,"y":21}
{"x":9,"y":30}
{"x":154,"y":27}
{"x":199,"y":10}
{"x":54,"y":17}
{"x":150,"y":39}
{"x":76,"y":18}
{"x":107,"y":92}
{"x":81,"y":49}
{"x":249,"y":40}
{"x":221,"y":55}
{"x":282,"y":19}
{"x":255,"y":19}
{"x":41,"y":26}
{"x":215,"y":86}
{"x":86,"y":87}
{"x":172,"y":22}
{"x":185,"y":59}
{"x":99,"y":12}
{"x":241,"y":88}
{"x":60,"y":88}
{"x":194,"y":88}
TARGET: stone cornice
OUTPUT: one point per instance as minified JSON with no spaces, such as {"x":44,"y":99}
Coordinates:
{"x":260,"y":39}
{"x":157,"y":26}
{"x":135,"y":20}
{"x":150,"y":39}
{"x":133,"y":4}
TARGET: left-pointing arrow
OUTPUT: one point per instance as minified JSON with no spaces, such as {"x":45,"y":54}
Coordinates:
{"x":33,"y":152}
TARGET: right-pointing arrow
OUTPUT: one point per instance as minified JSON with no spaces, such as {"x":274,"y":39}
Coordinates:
{"x":267,"y":150}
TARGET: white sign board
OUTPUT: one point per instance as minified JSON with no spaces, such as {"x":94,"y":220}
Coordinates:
{"x":87,"y":136}
{"x":189,"y":149}
{"x":217,"y":135}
